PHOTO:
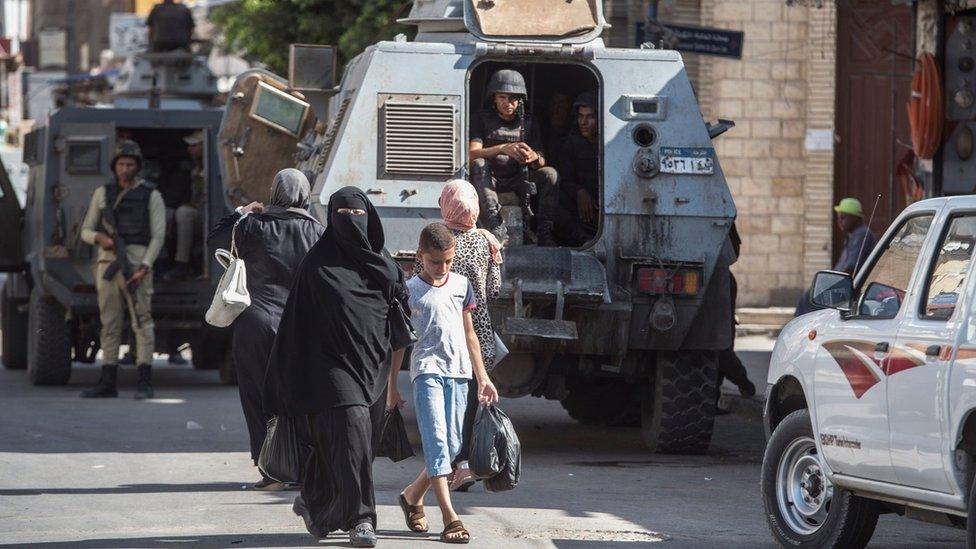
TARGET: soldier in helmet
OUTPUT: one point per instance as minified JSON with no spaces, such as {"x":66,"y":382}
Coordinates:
{"x":127,"y":221}
{"x":506,"y":156}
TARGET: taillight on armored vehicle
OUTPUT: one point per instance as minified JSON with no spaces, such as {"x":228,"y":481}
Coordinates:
{"x":678,"y":282}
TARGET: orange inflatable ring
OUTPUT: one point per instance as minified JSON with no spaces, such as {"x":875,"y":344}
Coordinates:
{"x":926,"y":110}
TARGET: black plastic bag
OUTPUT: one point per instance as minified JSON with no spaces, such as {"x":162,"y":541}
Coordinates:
{"x":496,"y":453}
{"x":284,"y":452}
{"x":393,"y":442}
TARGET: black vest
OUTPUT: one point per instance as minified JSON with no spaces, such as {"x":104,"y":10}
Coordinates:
{"x":132,"y":212}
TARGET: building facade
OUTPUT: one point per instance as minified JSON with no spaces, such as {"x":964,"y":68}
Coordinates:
{"x":819,"y":100}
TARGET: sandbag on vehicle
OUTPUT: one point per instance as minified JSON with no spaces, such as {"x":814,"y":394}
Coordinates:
{"x":284,"y":453}
{"x":394,"y":443}
{"x":496,"y":453}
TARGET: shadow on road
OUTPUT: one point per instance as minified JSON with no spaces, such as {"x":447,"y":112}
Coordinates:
{"x":217,"y":540}
{"x":130,"y":489}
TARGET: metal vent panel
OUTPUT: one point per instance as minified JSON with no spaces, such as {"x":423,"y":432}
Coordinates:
{"x":420,"y":135}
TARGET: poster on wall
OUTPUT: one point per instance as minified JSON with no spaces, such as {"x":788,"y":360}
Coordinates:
{"x":128,"y":34}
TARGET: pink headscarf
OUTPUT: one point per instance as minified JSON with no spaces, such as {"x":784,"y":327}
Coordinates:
{"x":459,"y":208}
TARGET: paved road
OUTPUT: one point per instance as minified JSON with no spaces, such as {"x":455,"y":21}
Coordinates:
{"x":171,"y":472}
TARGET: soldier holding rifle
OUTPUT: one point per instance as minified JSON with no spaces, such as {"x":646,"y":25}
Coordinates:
{"x":125,"y":215}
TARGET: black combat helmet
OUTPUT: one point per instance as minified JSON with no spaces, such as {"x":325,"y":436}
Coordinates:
{"x":507,"y":81}
{"x":127,"y":147}
{"x":585,"y":99}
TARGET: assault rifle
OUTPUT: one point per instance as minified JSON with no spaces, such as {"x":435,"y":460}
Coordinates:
{"x":528,"y":189}
{"x":121,"y":262}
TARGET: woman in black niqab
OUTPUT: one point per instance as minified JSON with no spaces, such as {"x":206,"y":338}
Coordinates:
{"x":331,"y":357}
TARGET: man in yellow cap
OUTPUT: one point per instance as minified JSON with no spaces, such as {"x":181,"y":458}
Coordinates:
{"x":858,"y":244}
{"x":860,"y":240}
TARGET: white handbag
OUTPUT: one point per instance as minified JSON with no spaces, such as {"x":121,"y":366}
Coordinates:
{"x":231,"y":297}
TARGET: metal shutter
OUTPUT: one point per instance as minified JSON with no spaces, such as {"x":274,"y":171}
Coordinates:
{"x":420,"y":135}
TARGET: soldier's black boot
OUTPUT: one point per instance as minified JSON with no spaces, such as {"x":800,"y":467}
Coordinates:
{"x":144,"y":385}
{"x":105,"y":388}
{"x":544,"y":233}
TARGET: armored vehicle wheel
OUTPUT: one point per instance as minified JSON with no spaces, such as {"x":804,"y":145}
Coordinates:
{"x":48,"y":341}
{"x":678,"y":409}
{"x":803,"y":509}
{"x":228,"y":374}
{"x":13,"y":325}
{"x":608,"y":402}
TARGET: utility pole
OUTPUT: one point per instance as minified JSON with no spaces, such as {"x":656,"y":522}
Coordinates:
{"x":71,"y":38}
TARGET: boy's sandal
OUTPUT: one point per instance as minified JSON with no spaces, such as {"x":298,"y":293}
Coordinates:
{"x":456,"y":527}
{"x":413,"y":514}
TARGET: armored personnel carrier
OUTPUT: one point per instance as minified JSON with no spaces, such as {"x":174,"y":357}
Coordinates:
{"x":623,"y":330}
{"x":49,"y":307}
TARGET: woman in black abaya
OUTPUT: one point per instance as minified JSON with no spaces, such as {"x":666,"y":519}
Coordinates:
{"x":272,"y":241}
{"x":330,"y":363}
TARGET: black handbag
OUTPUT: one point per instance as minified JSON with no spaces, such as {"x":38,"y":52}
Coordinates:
{"x":402,"y":334}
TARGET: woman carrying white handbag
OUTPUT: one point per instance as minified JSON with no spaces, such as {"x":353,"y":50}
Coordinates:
{"x":267,"y":244}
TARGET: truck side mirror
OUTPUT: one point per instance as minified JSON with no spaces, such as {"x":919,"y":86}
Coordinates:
{"x":311,"y":67}
{"x":832,"y":290}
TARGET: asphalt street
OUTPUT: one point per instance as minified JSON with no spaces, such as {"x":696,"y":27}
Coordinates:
{"x":174,"y":472}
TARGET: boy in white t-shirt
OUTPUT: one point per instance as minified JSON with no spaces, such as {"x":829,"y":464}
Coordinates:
{"x":446,"y":353}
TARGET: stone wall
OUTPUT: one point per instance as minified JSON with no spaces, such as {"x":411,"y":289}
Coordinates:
{"x":781,"y":90}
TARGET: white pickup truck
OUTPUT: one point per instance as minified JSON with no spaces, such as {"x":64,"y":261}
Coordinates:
{"x":870,"y":402}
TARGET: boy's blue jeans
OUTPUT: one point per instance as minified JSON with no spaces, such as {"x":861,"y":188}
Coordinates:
{"x":440,"y":403}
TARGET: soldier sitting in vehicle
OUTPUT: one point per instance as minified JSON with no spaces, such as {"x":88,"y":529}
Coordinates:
{"x":170,"y":27}
{"x":187,"y":215}
{"x":506,"y":156}
{"x":127,"y":221}
{"x":579,"y":170}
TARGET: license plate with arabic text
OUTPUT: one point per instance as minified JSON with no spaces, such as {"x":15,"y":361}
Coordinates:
{"x":688,"y":160}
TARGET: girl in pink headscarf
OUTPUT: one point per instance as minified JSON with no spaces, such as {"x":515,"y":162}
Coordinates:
{"x":477,"y":257}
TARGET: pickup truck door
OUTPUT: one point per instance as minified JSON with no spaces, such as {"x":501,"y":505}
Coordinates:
{"x":918,"y":371}
{"x":849,"y":382}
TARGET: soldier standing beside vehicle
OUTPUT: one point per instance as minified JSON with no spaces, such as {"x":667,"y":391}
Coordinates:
{"x":506,"y":156}
{"x":125,"y":215}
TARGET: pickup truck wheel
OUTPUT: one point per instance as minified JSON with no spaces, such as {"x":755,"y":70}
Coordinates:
{"x":48,"y":341}
{"x":803,"y":509}
{"x":13,"y":325}
{"x":610,"y":402}
{"x":678,"y":409}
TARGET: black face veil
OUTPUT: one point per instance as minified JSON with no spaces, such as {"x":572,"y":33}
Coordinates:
{"x":333,"y":341}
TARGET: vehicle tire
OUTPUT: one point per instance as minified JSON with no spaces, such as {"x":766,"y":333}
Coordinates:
{"x":13,"y":325}
{"x":228,"y":374}
{"x":48,"y":341}
{"x":609,"y":402}
{"x":210,"y":348}
{"x":803,"y":509}
{"x":678,"y":408}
